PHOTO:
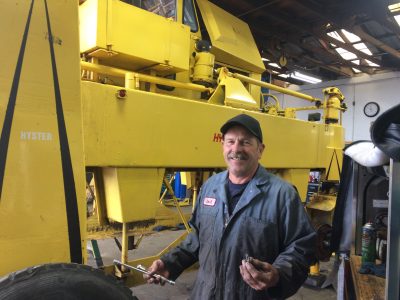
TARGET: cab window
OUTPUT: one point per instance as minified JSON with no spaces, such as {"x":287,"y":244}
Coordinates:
{"x":189,"y":15}
{"x":165,"y":8}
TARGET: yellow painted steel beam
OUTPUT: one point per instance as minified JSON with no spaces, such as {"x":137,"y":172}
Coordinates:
{"x":275,"y":87}
{"x":109,"y":121}
{"x":124,"y":250}
{"x":142,"y":77}
{"x":307,"y":108}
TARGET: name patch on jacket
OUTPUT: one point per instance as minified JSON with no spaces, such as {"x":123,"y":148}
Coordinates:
{"x":209,"y":201}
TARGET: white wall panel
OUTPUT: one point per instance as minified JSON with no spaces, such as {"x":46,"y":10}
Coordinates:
{"x":381,"y":88}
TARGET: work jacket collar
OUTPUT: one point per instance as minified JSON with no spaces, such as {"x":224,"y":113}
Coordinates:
{"x":252,"y":190}
{"x":261,"y":177}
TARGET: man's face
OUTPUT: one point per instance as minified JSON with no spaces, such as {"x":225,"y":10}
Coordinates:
{"x":241,"y":151}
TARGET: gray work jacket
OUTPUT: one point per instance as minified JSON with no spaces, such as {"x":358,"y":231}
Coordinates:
{"x":269,"y":223}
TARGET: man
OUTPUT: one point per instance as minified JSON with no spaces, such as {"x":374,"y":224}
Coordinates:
{"x":251,"y":235}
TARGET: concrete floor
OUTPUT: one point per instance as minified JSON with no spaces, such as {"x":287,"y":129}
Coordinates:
{"x":154,"y":243}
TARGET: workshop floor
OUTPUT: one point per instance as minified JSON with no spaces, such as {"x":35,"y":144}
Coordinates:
{"x":154,"y":243}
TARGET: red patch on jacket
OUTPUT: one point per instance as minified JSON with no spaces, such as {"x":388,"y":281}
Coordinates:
{"x":209,"y":201}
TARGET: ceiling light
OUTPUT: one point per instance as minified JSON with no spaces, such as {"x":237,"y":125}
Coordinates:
{"x":283,"y":75}
{"x":274,"y":65}
{"x":264,"y":59}
{"x":306,"y":78}
{"x":394,"y":7}
{"x":356,"y":70}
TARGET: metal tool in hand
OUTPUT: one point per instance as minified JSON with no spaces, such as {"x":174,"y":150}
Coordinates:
{"x":248,"y":258}
{"x":143,"y":270}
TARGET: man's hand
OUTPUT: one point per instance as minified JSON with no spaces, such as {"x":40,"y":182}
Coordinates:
{"x":157,"y":267}
{"x":259,"y":275}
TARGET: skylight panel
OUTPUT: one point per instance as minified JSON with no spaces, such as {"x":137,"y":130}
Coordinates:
{"x":363,"y":48}
{"x":346,"y":54}
{"x":341,"y":50}
{"x":351,"y":36}
{"x":397,"y":18}
{"x":335,"y":35}
{"x":370,"y":63}
{"x":354,"y":41}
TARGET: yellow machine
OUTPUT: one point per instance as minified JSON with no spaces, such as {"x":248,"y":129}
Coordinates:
{"x":101,"y":101}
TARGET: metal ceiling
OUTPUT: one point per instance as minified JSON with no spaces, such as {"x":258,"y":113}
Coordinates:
{"x":297,"y":30}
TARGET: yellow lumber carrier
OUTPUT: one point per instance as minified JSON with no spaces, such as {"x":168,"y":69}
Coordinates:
{"x":103,"y":101}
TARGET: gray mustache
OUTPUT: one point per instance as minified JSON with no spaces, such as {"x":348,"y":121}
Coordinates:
{"x":239,"y":156}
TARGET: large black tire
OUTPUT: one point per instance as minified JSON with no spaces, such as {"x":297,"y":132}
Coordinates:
{"x":62,"y":282}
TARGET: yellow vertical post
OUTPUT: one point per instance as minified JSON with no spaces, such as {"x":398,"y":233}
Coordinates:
{"x":166,"y":190}
{"x":131,"y":81}
{"x":194,"y":196}
{"x":171,"y":191}
{"x":152,"y":84}
{"x":92,"y":75}
{"x":124,"y":250}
